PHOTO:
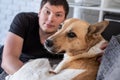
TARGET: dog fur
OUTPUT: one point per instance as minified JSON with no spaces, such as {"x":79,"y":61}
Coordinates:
{"x":81,"y":43}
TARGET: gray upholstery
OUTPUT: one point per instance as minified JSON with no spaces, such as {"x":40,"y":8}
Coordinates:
{"x":110,"y":64}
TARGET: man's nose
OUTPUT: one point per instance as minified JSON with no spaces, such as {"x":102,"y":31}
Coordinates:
{"x":51,"y":17}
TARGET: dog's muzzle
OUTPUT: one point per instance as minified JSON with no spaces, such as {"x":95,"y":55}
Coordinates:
{"x":50,"y":46}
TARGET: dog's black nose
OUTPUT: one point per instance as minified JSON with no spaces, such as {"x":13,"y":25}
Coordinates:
{"x":49,"y":43}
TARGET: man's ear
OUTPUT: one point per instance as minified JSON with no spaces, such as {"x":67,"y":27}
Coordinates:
{"x":98,"y":28}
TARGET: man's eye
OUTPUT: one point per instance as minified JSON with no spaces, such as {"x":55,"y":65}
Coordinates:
{"x":48,"y":12}
{"x":71,"y":35}
{"x":58,"y":15}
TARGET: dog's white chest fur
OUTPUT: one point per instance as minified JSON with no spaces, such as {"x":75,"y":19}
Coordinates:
{"x":39,"y":70}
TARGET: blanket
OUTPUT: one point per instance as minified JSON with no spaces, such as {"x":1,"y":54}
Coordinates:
{"x":38,"y":69}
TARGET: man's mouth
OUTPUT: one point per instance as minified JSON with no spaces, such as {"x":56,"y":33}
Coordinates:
{"x":49,"y":25}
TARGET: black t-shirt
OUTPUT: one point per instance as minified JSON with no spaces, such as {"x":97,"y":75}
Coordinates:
{"x":26,"y":26}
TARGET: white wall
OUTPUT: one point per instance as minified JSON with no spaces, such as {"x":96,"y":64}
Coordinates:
{"x":9,"y":8}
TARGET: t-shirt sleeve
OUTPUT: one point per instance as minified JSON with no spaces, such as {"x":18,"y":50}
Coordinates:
{"x":19,"y":24}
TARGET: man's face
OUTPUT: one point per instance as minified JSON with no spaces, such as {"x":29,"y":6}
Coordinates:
{"x":50,"y":16}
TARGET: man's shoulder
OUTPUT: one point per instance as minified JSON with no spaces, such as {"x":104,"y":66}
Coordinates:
{"x":27,"y":14}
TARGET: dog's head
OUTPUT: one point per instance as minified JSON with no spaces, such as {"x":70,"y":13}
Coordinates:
{"x":75,"y":37}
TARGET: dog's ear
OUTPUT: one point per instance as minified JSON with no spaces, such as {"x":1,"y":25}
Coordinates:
{"x":97,"y":28}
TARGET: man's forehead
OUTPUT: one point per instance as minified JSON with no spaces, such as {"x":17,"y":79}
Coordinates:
{"x":54,"y":8}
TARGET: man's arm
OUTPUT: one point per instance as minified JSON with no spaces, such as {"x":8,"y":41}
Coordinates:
{"x":11,"y":53}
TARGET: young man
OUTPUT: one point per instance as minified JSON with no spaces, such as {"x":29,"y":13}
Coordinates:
{"x":29,"y":31}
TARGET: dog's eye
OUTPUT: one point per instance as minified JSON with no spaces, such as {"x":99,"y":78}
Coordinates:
{"x":71,"y":35}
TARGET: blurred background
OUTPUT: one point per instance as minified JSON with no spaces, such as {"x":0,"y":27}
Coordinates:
{"x":8,"y":10}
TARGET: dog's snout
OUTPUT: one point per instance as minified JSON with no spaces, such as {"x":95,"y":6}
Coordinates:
{"x":49,"y":43}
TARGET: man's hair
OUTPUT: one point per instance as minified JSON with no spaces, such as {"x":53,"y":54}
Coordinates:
{"x":63,"y":3}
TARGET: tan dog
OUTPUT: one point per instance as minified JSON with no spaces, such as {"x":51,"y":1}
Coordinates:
{"x":81,"y":43}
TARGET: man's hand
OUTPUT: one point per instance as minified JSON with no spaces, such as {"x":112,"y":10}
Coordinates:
{"x":103,"y":47}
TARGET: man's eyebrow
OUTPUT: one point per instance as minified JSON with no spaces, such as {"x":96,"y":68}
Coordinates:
{"x":47,"y":7}
{"x":56,"y":12}
{"x":60,"y":12}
